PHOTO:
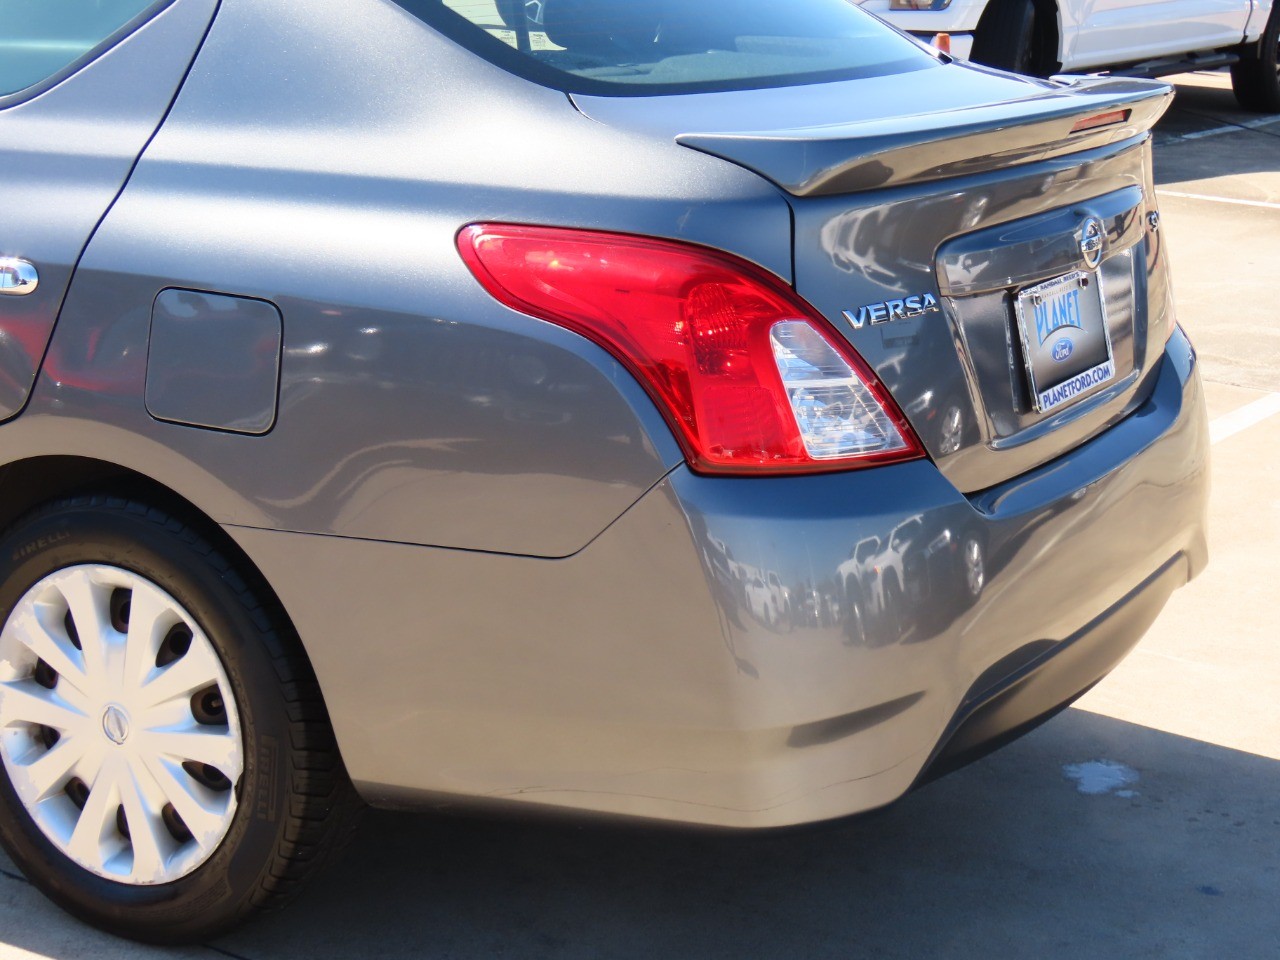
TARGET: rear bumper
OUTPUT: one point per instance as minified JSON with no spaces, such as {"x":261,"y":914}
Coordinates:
{"x":754,"y":652}
{"x":1017,"y":696}
{"x":917,"y":664}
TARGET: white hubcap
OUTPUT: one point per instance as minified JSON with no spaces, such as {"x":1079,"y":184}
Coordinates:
{"x":116,"y":728}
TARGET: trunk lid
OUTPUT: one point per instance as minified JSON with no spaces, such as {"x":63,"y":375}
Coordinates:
{"x":935,"y":216}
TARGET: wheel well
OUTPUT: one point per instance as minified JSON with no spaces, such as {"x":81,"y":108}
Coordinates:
{"x":26,"y":484}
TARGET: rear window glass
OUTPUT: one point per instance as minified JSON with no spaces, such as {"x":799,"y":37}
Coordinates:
{"x":41,"y":38}
{"x":620,"y":47}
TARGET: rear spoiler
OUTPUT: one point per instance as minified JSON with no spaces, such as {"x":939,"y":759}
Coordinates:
{"x":1070,"y":115}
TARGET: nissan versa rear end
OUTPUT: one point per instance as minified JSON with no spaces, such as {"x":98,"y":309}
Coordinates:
{"x":734,"y":413}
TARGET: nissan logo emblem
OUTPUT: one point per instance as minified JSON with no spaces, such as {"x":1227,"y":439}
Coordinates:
{"x":1091,"y":236}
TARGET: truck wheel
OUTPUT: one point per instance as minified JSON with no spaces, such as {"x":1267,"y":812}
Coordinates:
{"x":1005,"y":37}
{"x":1255,"y":80}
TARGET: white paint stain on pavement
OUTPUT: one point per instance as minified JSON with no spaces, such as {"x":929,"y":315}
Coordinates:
{"x":1100,"y":777}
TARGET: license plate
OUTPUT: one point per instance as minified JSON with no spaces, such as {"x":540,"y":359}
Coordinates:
{"x":1063,"y":326}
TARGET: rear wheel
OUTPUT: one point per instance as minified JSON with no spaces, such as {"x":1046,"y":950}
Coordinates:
{"x":1255,"y":80}
{"x":1006,"y":36}
{"x":166,"y":766}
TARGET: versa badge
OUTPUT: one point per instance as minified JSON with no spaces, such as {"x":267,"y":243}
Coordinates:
{"x":916,"y":305}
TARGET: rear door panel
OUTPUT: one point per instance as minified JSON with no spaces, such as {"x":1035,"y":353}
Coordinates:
{"x":64,"y":156}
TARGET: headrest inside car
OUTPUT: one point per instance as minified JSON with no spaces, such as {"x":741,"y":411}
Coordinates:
{"x":588,"y":25}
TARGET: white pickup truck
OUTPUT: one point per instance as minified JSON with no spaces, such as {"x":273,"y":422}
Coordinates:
{"x":1144,"y":38}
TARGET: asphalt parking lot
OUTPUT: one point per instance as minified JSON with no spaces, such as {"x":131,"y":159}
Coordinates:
{"x":1143,"y":822}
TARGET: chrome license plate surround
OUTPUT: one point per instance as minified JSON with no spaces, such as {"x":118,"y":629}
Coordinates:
{"x":1055,"y":319}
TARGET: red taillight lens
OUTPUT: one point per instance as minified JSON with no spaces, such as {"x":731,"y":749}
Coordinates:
{"x":750,"y":376}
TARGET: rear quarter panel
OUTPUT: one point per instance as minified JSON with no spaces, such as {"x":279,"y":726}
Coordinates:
{"x":412,"y":407}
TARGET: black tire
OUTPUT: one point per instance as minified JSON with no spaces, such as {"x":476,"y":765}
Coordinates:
{"x":1005,"y":37}
{"x":295,"y":803}
{"x":1255,"y":80}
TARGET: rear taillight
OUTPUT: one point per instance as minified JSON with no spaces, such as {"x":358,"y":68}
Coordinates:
{"x":750,"y":376}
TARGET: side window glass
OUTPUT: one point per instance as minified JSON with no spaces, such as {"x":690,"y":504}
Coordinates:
{"x":40,"y":38}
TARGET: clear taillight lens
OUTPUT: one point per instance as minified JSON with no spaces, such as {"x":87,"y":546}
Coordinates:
{"x":750,"y":377}
{"x":838,"y":416}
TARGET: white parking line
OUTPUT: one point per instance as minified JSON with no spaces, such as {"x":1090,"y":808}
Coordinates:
{"x":1204,"y":196}
{"x":1229,"y":424}
{"x":1233,"y":128}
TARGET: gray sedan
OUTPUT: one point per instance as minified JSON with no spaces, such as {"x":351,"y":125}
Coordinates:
{"x":732,"y":413}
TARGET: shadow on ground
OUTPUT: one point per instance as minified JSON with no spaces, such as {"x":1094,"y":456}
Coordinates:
{"x":1198,"y":108}
{"x":1003,"y":859}
{"x":1209,"y":98}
